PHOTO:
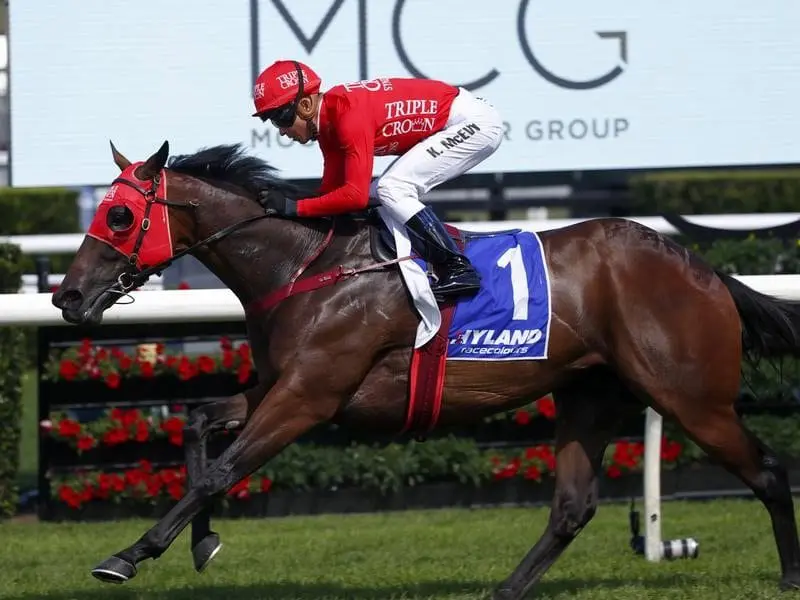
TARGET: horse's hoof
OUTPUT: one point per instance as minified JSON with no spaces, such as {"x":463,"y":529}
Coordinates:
{"x":503,"y":593}
{"x":790,"y":583}
{"x":205,"y":551}
{"x":114,"y":570}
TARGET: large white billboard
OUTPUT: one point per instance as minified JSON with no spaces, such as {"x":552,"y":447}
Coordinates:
{"x":582,"y":84}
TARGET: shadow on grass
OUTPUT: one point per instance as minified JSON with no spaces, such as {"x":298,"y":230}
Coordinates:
{"x":449,"y":590}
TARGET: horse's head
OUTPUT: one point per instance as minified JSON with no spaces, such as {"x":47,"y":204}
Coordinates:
{"x":130,"y":233}
{"x":137,"y":231}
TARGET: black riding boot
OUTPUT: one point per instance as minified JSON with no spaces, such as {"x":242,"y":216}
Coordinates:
{"x":431,"y":241}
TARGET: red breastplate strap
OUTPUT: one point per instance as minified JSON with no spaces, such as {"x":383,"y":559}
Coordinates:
{"x":313,"y":282}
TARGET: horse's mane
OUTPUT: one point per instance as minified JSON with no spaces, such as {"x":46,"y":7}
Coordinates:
{"x":230,"y":164}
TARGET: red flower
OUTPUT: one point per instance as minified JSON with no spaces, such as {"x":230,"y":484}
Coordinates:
{"x":130,"y":417}
{"x":118,"y":435}
{"x":108,"y":482}
{"x":85,"y":349}
{"x":68,"y":428}
{"x":533,"y":472}
{"x":146,"y":369}
{"x":205,"y":364}
{"x":142,"y":431}
{"x":87,"y":493}
{"x":85,"y":442}
{"x":153,"y":486}
{"x":510,"y":470}
{"x":175,"y":490}
{"x":627,"y":453}
{"x":134,"y":477}
{"x":225,"y":343}
{"x":614,"y":471}
{"x":169,"y":476}
{"x":69,"y":496}
{"x":241,"y":489}
{"x":243,"y":373}
{"x":227,"y":358}
{"x":68,"y":369}
{"x":113,"y":380}
{"x":266,"y":484}
{"x":125,"y":362}
{"x":173,"y":427}
{"x":546,"y":407}
{"x":670,"y":450}
{"x":186,"y":370}
{"x":522,"y":417}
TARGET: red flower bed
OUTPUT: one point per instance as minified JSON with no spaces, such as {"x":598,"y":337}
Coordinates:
{"x":544,"y":406}
{"x":117,"y":427}
{"x":142,"y":484}
{"x":324,"y":468}
{"x":113,"y":365}
{"x":621,"y":457}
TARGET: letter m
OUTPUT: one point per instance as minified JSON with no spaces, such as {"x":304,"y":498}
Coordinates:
{"x":310,"y":42}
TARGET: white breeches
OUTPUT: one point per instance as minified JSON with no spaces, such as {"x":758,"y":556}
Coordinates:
{"x":472,"y":133}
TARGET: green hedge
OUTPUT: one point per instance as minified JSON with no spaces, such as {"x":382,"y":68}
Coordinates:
{"x":715,"y":192}
{"x":26,"y":211}
{"x":752,"y":256}
{"x":12,"y":366}
{"x":39,"y":211}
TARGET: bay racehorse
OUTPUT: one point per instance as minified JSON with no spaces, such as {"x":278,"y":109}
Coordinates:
{"x":637,"y":320}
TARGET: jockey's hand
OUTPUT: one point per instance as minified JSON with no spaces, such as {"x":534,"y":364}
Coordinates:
{"x":276,"y":201}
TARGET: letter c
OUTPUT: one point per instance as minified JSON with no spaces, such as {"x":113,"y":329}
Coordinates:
{"x":560,"y":81}
{"x":401,"y":53}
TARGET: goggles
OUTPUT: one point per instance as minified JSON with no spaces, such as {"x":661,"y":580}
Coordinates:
{"x":284,"y":116}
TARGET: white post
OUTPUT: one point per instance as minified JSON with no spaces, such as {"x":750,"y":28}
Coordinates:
{"x":652,"y":485}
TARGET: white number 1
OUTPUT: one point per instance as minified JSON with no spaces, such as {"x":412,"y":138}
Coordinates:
{"x":519,"y":281}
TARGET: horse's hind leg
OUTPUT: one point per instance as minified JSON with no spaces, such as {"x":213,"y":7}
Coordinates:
{"x":700,"y":394}
{"x":588,"y":414}
{"x":722,"y":435}
{"x":226,"y":413}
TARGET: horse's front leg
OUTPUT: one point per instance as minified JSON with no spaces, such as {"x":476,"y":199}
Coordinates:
{"x":224,"y":414}
{"x":288,"y":410}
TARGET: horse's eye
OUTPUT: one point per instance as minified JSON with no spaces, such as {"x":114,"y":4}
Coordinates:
{"x":119,"y":218}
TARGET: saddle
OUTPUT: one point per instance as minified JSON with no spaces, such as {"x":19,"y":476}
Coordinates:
{"x":426,"y":374}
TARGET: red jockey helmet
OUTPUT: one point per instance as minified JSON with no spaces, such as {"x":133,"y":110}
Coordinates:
{"x":277,"y":85}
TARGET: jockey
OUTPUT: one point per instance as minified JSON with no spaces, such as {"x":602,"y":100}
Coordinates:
{"x":438,"y":131}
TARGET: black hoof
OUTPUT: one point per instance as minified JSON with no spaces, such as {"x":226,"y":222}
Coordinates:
{"x":503,"y":593}
{"x":205,"y":551}
{"x":789,"y":584}
{"x":114,"y":570}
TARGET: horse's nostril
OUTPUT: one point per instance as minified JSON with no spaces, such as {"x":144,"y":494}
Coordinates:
{"x":68,"y":299}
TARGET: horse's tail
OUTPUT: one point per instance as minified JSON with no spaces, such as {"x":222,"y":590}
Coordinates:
{"x":770,"y":325}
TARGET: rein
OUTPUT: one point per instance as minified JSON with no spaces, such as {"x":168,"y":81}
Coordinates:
{"x":133,"y":277}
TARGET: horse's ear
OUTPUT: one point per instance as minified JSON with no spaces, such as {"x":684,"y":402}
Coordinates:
{"x":153,"y":165}
{"x":122,"y":162}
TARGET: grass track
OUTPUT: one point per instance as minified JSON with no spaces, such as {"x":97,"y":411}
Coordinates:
{"x":436,"y":555}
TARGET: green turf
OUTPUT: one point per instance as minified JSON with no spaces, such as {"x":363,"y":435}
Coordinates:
{"x":432,"y":555}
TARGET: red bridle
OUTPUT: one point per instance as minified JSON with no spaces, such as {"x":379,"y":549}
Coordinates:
{"x":147,"y":241}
